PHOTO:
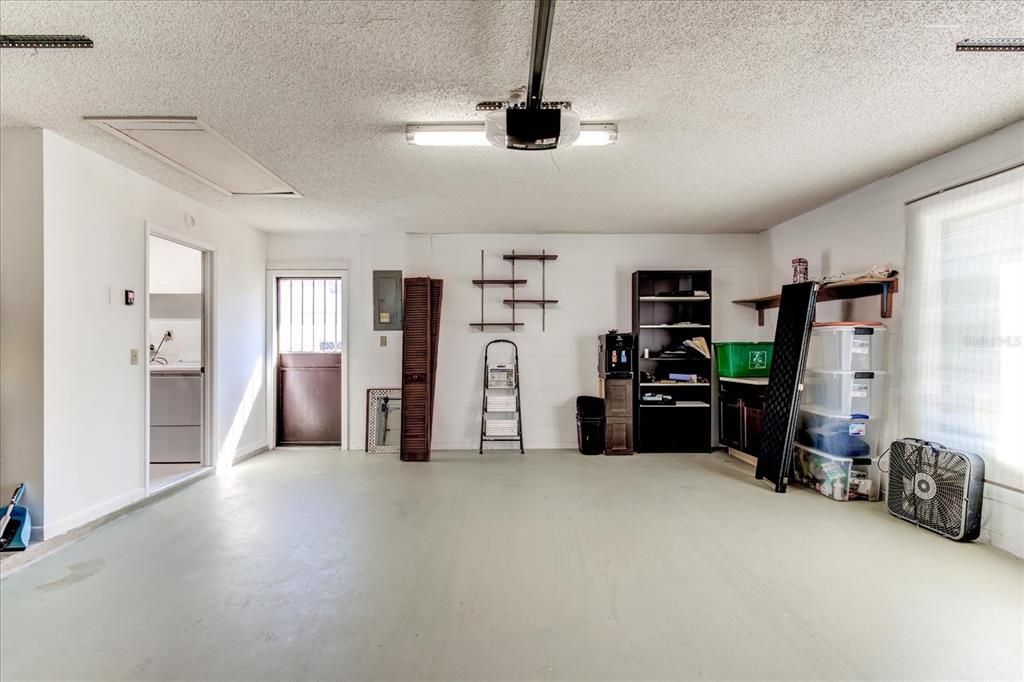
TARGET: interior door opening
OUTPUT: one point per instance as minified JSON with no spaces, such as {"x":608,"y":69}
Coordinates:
{"x":176,"y":327}
{"x":309,"y":357}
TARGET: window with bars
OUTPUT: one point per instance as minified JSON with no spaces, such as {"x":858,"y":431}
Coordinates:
{"x":309,"y":315}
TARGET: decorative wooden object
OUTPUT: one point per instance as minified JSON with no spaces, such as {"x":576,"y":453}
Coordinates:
{"x":618,"y":411}
{"x":835,"y":291}
{"x":390,"y":399}
{"x":419,"y":365}
{"x":543,"y":257}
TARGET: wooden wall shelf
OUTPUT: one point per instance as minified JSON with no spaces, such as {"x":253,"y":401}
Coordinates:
{"x":835,"y":291}
{"x":530,"y":256}
{"x":543,"y":257}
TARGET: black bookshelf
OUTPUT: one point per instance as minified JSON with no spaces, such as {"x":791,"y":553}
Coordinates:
{"x":665,"y":314}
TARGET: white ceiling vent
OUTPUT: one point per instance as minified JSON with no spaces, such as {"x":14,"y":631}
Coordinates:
{"x":189,"y":145}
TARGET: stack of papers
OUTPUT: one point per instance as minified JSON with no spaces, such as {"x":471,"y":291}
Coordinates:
{"x":699,"y":345}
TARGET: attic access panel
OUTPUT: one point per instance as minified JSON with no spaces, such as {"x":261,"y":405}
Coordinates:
{"x":189,"y":145}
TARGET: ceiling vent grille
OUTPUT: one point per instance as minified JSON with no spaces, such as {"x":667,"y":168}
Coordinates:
{"x":40,"y":41}
{"x":990,"y":45}
{"x":195,"y":149}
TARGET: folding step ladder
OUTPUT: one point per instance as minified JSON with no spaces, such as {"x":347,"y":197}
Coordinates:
{"x":501,"y":417}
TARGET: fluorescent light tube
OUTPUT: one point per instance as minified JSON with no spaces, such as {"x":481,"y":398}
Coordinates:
{"x":473,"y":135}
{"x":447,"y":135}
{"x":597,"y":135}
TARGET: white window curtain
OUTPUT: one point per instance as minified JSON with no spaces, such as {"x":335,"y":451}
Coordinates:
{"x":962,"y":373}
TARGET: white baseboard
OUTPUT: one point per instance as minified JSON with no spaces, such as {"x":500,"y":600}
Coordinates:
{"x":245,"y":452}
{"x":84,"y":516}
{"x":1002,"y":519}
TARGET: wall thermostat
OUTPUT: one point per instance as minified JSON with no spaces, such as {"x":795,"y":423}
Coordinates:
{"x":129,"y":297}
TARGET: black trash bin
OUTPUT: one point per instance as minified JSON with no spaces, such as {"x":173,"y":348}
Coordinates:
{"x":590,"y":424}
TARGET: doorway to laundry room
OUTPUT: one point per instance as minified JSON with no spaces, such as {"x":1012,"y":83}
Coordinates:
{"x":177,"y":329}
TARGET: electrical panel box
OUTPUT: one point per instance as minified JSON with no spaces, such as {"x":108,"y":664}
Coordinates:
{"x":387,"y":300}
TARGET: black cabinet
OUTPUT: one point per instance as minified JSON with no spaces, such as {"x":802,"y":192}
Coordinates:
{"x":741,"y":414}
{"x":753,"y":425}
{"x":672,"y":334}
{"x":730,"y":421}
{"x":618,"y":411}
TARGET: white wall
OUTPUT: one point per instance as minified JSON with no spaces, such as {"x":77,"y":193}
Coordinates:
{"x":368,"y":364}
{"x":21,"y":316}
{"x":591,"y":280}
{"x":174,"y":269}
{"x":94,"y":230}
{"x":867,"y":227}
{"x":175,"y":302}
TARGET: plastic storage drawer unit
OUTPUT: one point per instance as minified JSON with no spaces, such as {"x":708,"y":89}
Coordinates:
{"x":838,"y":478}
{"x":844,"y":436}
{"x":743,"y":359}
{"x":836,"y":347}
{"x":845,"y":392}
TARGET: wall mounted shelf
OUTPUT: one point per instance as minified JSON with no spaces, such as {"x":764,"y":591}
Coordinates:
{"x":543,"y":301}
{"x":481,"y":325}
{"x":835,"y":291}
{"x":530,"y":256}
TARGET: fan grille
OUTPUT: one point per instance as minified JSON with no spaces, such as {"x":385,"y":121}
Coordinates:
{"x":928,"y":486}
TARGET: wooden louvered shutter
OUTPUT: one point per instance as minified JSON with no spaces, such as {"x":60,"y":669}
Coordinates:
{"x":422,"y":322}
{"x":436,"y":289}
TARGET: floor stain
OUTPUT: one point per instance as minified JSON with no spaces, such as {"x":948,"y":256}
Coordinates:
{"x":77,"y":573}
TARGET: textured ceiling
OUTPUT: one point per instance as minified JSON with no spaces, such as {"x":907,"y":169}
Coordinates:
{"x":733,"y":116}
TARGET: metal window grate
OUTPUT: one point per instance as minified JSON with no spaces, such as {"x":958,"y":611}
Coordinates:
{"x":309,"y":315}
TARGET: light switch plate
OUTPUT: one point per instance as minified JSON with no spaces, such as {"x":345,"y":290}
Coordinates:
{"x":383,"y":341}
{"x":135,"y":356}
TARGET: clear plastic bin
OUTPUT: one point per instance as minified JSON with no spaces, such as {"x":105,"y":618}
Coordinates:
{"x":853,"y":393}
{"x":836,"y":477}
{"x":844,"y":436}
{"x":846,"y":348}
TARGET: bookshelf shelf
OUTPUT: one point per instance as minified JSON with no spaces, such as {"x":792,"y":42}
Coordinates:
{"x":663,"y":429}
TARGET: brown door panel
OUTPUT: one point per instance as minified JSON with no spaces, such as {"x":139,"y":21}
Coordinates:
{"x":309,"y":399}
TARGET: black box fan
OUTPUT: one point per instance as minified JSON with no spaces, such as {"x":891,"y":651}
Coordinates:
{"x":936,"y":488}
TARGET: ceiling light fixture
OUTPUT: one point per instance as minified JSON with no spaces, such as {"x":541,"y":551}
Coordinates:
{"x":186,"y":143}
{"x":475,"y":135}
{"x":525,"y":121}
{"x":990,"y":45}
{"x":43,"y":41}
{"x":447,"y":135}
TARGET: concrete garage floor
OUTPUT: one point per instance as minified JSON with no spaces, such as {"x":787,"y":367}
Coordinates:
{"x":337,"y":565}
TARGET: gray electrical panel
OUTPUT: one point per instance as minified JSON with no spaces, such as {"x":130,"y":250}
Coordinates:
{"x":387,"y":300}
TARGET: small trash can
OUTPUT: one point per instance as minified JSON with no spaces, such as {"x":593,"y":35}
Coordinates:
{"x":590,"y":424}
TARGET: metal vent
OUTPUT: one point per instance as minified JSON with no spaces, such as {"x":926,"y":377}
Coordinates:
{"x":990,"y":45}
{"x":42,"y":41}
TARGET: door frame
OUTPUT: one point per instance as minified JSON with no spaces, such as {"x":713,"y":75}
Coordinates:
{"x":208,"y":332}
{"x":326,"y":273}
